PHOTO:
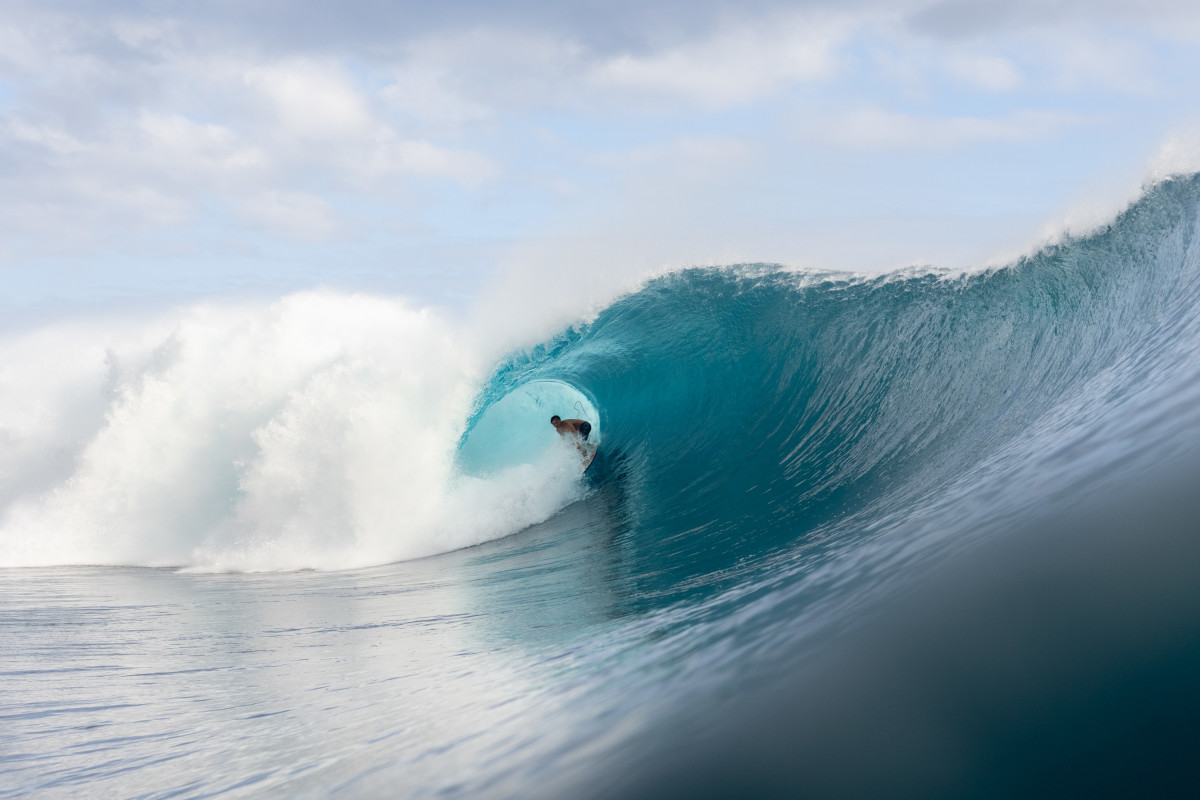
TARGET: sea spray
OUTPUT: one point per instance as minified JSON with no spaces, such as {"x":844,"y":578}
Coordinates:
{"x":317,"y":431}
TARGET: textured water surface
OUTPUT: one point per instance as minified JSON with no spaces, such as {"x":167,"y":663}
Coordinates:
{"x":923,"y":534}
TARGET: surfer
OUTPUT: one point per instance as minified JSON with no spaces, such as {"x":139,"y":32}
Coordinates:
{"x":581,"y":427}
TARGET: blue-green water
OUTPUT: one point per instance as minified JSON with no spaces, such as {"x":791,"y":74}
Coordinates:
{"x":916,"y":535}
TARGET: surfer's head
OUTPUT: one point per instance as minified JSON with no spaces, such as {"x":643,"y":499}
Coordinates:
{"x":555,"y":420}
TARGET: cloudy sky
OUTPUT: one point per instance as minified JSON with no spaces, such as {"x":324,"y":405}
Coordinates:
{"x":171,"y":148}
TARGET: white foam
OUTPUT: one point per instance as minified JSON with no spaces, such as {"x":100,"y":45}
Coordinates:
{"x":318,"y":431}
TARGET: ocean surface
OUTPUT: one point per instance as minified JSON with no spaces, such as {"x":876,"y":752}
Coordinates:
{"x":924,"y":534}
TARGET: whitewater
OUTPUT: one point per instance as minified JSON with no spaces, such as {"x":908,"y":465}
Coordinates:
{"x":929,"y":534}
{"x":319,"y":431}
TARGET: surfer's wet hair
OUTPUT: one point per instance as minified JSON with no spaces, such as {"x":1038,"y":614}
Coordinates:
{"x":555,"y":418}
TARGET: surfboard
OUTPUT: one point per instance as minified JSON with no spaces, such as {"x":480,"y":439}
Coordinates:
{"x":588,"y":457}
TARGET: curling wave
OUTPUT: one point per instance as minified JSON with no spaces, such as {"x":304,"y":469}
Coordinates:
{"x":742,"y":412}
{"x":749,"y":411}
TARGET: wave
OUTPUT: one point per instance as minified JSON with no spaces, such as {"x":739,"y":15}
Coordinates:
{"x":742,"y":412}
{"x":749,"y":411}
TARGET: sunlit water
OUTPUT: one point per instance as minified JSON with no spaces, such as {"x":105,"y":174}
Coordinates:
{"x":920,"y":535}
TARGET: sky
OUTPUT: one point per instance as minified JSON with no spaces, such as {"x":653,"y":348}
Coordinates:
{"x":177,"y":149}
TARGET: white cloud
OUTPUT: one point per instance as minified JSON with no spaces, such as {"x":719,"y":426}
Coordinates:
{"x":733,"y":67}
{"x":1101,"y":62}
{"x":918,"y":71}
{"x":393,"y":155}
{"x":154,"y":35}
{"x":90,"y":171}
{"x":312,"y":100}
{"x":18,"y":50}
{"x":149,"y":170}
{"x":426,"y":92}
{"x":52,"y":140}
{"x":178,"y":143}
{"x":299,"y":215}
{"x":479,"y":74}
{"x":979,"y":18}
{"x":71,"y":185}
{"x":871,"y":128}
{"x":987,"y":72}
{"x":321,"y":119}
{"x":689,"y":158}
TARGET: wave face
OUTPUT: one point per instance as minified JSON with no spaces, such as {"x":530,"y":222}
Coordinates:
{"x":748,"y":412}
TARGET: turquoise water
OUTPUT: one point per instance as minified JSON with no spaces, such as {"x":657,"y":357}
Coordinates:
{"x":922,"y":534}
